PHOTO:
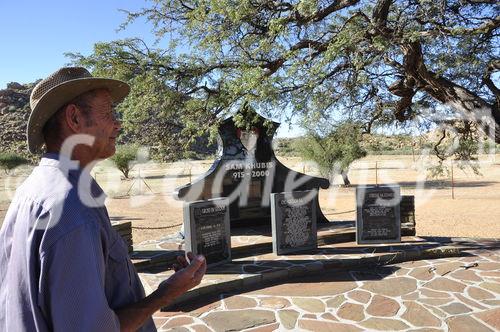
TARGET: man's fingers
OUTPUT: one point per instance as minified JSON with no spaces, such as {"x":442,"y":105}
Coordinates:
{"x":201,"y":271}
{"x":196,"y":263}
{"x":176,"y":267}
{"x":182,"y":261}
{"x":190,"y":256}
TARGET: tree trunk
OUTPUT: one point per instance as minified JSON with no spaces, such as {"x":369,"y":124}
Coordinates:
{"x":449,"y":93}
{"x":345,"y":178}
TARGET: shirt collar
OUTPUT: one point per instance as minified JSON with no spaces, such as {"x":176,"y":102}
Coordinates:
{"x":74,"y":172}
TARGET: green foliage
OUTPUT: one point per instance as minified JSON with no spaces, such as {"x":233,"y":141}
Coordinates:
{"x":379,"y":63}
{"x":155,"y":114}
{"x":286,"y":147}
{"x":461,"y":145}
{"x":10,"y":160}
{"x":124,"y":158}
{"x":334,"y":152}
{"x":324,"y":56}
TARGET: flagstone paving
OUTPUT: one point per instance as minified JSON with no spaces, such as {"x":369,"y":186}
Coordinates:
{"x":435,"y":294}
{"x":257,"y":268}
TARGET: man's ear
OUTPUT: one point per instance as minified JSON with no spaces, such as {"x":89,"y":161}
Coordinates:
{"x":73,"y":118}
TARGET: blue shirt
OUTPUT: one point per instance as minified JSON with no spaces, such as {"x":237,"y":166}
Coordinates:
{"x":62,"y":266}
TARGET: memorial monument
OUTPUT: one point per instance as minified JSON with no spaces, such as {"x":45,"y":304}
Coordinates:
{"x":293,"y":222}
{"x":206,"y":224}
{"x":246,"y":171}
{"x":378,"y":218}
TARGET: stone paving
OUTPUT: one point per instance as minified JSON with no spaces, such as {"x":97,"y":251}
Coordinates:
{"x":256,"y":268}
{"x":440,"y":294}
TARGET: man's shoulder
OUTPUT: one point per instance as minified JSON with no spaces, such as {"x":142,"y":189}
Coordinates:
{"x":51,"y":203}
{"x":45,"y":184}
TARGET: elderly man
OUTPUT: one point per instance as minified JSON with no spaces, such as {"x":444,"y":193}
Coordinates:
{"x":62,"y":266}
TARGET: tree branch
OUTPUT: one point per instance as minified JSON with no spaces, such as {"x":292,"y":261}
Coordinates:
{"x":493,"y":66}
{"x":447,"y":92}
{"x":322,"y":13}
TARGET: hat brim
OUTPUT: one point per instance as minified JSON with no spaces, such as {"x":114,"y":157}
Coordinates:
{"x":61,"y":94}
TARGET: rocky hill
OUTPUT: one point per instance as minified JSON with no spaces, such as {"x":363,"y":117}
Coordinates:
{"x":14,"y":113}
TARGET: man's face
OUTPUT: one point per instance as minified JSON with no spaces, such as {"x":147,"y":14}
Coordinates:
{"x":102,"y":124}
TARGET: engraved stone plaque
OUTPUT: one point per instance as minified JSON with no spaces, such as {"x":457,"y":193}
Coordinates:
{"x":378,"y":217}
{"x":293,"y":220}
{"x":206,"y":225}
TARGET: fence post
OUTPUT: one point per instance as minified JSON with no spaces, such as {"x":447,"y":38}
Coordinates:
{"x":452,"y":182}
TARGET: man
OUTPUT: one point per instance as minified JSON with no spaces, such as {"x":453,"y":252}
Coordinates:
{"x":62,"y":266}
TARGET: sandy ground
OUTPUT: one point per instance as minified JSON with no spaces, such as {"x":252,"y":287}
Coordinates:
{"x":473,"y":212}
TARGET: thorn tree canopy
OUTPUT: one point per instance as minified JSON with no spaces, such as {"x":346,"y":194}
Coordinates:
{"x":381,"y":61}
{"x":385,"y":61}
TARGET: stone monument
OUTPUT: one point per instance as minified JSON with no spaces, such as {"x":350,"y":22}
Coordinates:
{"x":407,"y":210}
{"x":246,"y":171}
{"x":293,"y":222}
{"x":206,"y":227}
{"x":378,"y":218}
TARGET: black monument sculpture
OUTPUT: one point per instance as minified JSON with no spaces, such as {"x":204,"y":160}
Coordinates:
{"x":246,"y":171}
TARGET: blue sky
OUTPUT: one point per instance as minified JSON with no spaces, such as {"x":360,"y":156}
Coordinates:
{"x":34,"y":35}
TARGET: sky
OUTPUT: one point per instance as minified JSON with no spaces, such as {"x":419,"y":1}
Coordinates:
{"x":34,"y":35}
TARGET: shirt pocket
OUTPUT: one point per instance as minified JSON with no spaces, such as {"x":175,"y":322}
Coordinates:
{"x":119,"y":274}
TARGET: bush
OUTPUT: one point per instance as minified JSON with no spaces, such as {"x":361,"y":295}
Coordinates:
{"x":9,"y":161}
{"x":286,"y":147}
{"x":123,"y":158}
{"x":335,"y":151}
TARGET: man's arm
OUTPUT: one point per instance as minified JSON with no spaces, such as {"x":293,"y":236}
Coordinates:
{"x":186,"y":277}
{"x":72,"y":296}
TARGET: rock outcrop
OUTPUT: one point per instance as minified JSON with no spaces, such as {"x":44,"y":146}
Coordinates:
{"x":14,"y":113}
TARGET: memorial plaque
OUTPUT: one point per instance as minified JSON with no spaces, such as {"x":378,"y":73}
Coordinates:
{"x":293,"y":220}
{"x":378,"y":214}
{"x":206,"y":226}
{"x":246,"y":171}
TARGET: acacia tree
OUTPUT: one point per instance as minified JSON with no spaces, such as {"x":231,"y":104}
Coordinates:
{"x":379,"y":61}
{"x":155,"y":113}
{"x":334,"y":150}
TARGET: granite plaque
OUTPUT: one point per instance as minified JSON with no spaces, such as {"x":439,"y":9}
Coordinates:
{"x":293,"y":221}
{"x":206,"y":226}
{"x":378,"y":218}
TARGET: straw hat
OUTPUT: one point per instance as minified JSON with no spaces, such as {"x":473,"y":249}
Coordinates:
{"x":55,"y":91}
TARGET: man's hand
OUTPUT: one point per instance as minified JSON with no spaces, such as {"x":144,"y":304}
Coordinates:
{"x":182,"y":261}
{"x":186,"y":276}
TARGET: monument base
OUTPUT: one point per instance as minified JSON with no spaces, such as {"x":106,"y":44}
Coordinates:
{"x":161,"y":254}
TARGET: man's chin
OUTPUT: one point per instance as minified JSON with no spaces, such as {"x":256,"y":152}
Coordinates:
{"x":110,"y":152}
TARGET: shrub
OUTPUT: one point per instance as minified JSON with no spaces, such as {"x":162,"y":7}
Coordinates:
{"x":10,"y":160}
{"x":335,"y":151}
{"x":124,"y":157}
